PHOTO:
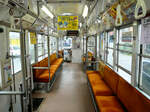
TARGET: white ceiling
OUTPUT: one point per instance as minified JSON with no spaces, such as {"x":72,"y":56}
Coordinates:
{"x":60,"y":8}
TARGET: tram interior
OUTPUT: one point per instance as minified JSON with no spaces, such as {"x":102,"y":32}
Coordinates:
{"x":74,"y":56}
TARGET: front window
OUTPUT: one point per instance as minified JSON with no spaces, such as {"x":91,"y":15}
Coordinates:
{"x":14,"y":38}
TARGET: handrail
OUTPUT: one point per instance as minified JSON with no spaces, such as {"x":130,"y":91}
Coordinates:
{"x":40,"y":68}
{"x":11,"y":93}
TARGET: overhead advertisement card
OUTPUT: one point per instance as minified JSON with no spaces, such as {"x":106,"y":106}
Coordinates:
{"x":67,"y":23}
{"x":32,"y":38}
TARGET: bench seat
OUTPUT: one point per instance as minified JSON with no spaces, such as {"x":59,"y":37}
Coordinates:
{"x":109,"y":104}
{"x":42,"y":75}
{"x":113,"y":94}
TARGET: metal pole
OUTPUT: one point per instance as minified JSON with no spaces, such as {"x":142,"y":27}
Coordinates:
{"x":48,"y":47}
{"x":23,"y":63}
{"x":86,"y":56}
{"x":134,"y":54}
{"x":57,"y":46}
{"x":83,"y":46}
{"x":14,"y":81}
{"x":114,"y":50}
{"x":96,"y":47}
{"x":105,"y":49}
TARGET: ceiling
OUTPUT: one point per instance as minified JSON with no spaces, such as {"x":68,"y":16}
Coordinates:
{"x":59,"y":7}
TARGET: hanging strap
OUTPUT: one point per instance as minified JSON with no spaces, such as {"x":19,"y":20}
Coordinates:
{"x":118,"y":21}
{"x":140,"y":4}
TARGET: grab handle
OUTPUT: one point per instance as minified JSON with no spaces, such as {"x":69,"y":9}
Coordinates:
{"x":140,"y":4}
{"x":118,"y":21}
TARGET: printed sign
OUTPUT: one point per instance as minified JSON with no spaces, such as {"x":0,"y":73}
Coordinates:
{"x":32,"y":38}
{"x":67,"y":23}
{"x":15,"y":42}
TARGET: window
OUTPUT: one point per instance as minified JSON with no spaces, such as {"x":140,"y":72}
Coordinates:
{"x":67,"y":43}
{"x":110,"y":45}
{"x":42,"y":47}
{"x":15,"y":50}
{"x":144,"y":62}
{"x":91,"y":44}
{"x":31,"y":50}
{"x":102,"y":46}
{"x":53,"y":45}
{"x":125,"y":41}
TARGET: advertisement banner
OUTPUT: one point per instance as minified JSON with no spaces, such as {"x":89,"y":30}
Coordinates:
{"x":32,"y":38}
{"x":67,"y":23}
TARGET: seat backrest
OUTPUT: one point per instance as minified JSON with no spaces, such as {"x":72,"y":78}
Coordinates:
{"x":111,"y":78}
{"x":53,"y":57}
{"x":101,"y":68}
{"x":131,"y":98}
{"x":90,"y":54}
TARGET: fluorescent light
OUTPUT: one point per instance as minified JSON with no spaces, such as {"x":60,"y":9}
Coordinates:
{"x":80,"y":24}
{"x":85,"y":11}
{"x":46,"y":10}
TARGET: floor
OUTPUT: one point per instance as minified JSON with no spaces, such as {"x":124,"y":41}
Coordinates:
{"x":70,"y":92}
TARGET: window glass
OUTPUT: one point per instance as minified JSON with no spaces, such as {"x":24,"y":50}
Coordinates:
{"x":126,"y":36}
{"x":102,"y":46}
{"x":110,"y":43}
{"x":146,"y":49}
{"x":125,"y":60}
{"x":124,"y":75}
{"x":45,"y":46}
{"x":125,"y":47}
{"x":110,"y":57}
{"x":40,"y":44}
{"x":145,"y":75}
{"x":110,"y":39}
{"x":67,"y":43}
{"x":15,"y":50}
{"x":31,"y":51}
{"x":53,"y":45}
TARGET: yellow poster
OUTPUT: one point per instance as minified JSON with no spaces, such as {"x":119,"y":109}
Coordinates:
{"x":15,"y":42}
{"x":32,"y":38}
{"x":67,"y":23}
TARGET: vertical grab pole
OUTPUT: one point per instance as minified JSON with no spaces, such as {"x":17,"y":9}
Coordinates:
{"x":48,"y":47}
{"x":105,"y":49}
{"x":86,"y":56}
{"x":135,"y":54}
{"x":114,"y":50}
{"x":95,"y":51}
{"x":83,"y":45}
{"x":57,"y":46}
{"x":23,"y":65}
{"x":96,"y":47}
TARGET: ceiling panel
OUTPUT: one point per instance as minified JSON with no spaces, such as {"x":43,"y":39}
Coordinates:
{"x":60,"y":8}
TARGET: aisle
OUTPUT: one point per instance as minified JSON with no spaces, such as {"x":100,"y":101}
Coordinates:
{"x":70,"y":92}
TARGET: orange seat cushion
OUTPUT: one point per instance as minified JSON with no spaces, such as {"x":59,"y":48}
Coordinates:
{"x":109,"y":104}
{"x":95,"y":79}
{"x":45,"y":77}
{"x":91,"y":72}
{"x":101,"y":89}
{"x":58,"y":61}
